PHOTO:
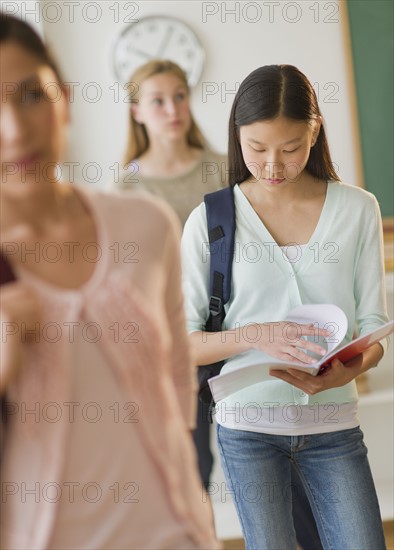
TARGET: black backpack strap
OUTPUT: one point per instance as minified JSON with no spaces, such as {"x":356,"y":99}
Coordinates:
{"x":221,"y":232}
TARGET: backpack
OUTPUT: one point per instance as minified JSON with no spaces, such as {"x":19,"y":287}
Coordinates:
{"x":220,"y":211}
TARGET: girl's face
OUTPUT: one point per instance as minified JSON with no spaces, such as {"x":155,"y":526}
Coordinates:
{"x":33,"y":116}
{"x":276,"y":151}
{"x":163,"y":107}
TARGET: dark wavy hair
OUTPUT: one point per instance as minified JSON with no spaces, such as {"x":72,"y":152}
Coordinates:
{"x":269,"y":92}
{"x":15,"y":30}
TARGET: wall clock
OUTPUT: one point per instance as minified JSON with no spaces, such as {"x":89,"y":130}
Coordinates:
{"x":158,"y":37}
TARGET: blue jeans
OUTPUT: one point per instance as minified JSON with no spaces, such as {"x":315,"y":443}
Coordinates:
{"x":336,"y":475}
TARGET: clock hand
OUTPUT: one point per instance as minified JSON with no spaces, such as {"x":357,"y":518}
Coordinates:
{"x":143,"y":54}
{"x":165,"y":41}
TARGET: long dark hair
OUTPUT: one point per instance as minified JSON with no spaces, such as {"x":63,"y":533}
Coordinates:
{"x":269,"y":92}
{"x":15,"y":30}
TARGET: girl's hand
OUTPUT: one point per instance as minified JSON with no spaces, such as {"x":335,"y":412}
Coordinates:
{"x":19,"y":315}
{"x":284,"y":340}
{"x":338,"y":374}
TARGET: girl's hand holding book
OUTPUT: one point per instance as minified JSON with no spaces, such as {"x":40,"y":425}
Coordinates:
{"x":286,"y":341}
{"x":336,"y":375}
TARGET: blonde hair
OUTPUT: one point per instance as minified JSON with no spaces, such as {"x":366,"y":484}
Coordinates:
{"x":138,"y":140}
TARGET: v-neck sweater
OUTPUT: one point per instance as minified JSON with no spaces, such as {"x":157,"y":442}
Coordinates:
{"x":342,"y":264}
{"x":119,"y":339}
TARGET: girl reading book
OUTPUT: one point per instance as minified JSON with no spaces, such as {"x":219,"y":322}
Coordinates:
{"x":318,"y":241}
{"x":168,"y":156}
{"x":98,"y":379}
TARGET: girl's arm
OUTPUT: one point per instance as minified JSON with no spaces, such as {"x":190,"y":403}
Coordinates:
{"x":183,"y":373}
{"x":276,"y":339}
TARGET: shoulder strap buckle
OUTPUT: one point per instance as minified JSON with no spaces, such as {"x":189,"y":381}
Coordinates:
{"x":215,"y":305}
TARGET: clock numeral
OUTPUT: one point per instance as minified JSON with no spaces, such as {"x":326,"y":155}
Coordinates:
{"x":132,"y":9}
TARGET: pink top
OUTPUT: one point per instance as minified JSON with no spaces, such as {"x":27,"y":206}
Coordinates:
{"x":98,"y":450}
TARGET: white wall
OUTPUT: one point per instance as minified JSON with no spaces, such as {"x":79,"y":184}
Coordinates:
{"x":283,"y":32}
{"x":28,"y":10}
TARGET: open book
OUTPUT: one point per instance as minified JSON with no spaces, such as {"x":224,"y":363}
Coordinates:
{"x":325,"y":316}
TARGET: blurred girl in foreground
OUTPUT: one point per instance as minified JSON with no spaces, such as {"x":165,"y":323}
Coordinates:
{"x":95,"y":360}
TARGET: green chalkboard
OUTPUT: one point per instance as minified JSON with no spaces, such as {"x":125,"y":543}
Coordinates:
{"x":371,"y":35}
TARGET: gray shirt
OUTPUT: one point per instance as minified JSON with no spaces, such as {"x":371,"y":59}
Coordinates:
{"x":184,"y":191}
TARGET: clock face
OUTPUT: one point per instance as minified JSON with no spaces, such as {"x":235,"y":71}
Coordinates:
{"x":158,"y":37}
